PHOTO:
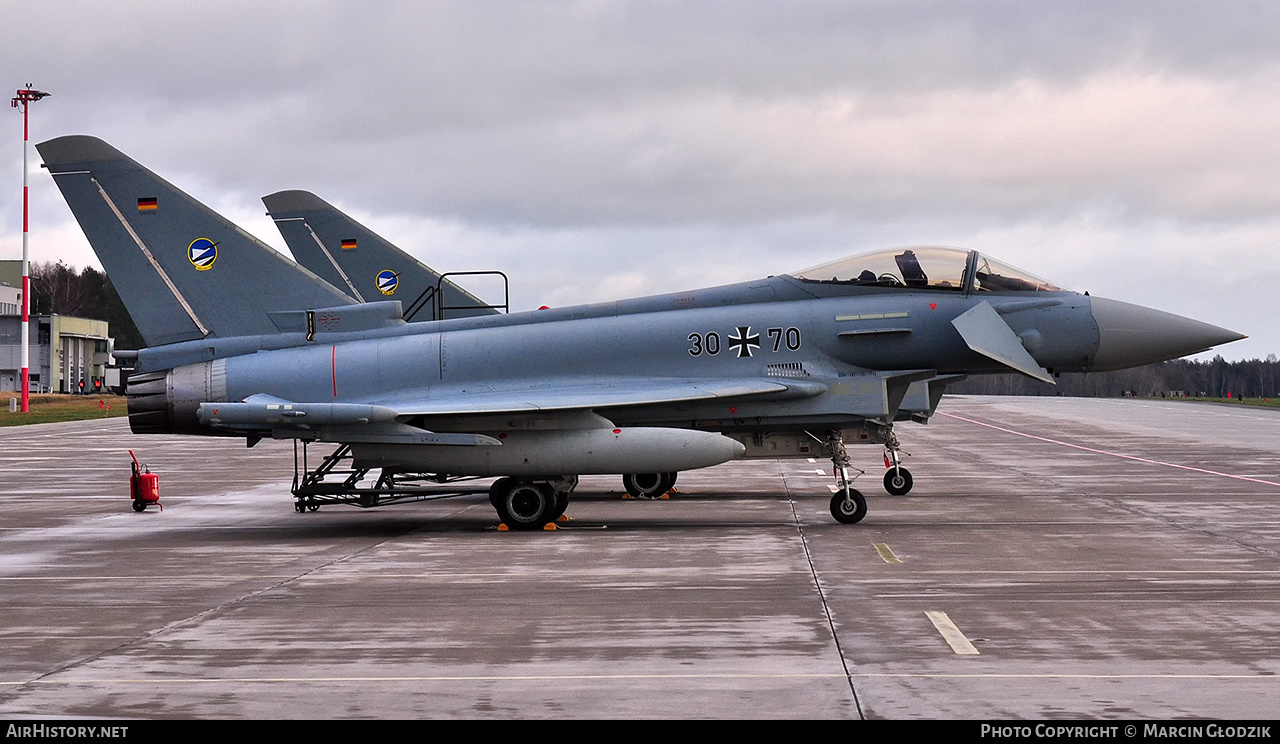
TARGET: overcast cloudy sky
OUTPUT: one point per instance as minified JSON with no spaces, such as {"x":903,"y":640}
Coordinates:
{"x":598,"y":150}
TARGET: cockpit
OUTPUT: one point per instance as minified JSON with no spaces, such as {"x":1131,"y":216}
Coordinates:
{"x":945,"y":269}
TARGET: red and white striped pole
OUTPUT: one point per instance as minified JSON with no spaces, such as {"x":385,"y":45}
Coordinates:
{"x":21,"y":101}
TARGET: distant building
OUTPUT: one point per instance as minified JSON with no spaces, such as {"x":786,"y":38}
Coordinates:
{"x":11,"y":276}
{"x":10,"y":300}
{"x":64,"y":351}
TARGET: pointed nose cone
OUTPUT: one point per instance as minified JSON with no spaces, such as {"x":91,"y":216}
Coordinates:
{"x":1132,"y":335}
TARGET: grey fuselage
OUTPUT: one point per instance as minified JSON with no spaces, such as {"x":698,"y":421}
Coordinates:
{"x":779,"y":329}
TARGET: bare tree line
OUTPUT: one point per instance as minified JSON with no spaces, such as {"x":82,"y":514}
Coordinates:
{"x":1251,"y":378}
{"x":57,"y":288}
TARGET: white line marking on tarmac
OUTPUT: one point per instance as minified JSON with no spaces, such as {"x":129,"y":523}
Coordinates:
{"x":1112,"y":454}
{"x":951,"y":634}
{"x":925,"y":675}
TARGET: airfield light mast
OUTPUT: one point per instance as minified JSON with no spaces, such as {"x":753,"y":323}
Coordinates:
{"x":22,"y":101}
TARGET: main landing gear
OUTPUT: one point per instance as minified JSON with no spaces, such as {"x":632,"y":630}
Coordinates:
{"x":848,"y":505}
{"x":530,"y":505}
{"x":649,"y":485}
{"x":521,"y":503}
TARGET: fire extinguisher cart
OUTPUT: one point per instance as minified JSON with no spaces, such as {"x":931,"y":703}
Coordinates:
{"x":144,"y":487}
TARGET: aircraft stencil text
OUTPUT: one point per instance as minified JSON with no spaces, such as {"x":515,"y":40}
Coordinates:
{"x":743,"y":341}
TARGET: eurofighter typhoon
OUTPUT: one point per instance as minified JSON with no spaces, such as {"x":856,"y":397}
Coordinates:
{"x":242,"y":342}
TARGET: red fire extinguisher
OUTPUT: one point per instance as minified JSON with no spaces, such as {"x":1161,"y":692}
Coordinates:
{"x":144,"y":486}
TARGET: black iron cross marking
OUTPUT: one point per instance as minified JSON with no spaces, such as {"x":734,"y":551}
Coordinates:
{"x":744,"y":341}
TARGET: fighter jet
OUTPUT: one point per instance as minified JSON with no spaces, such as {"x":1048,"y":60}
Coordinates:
{"x":365,"y":265}
{"x":790,"y":365}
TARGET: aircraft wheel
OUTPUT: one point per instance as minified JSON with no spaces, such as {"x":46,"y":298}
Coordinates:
{"x":139,"y":505}
{"x":562,"y":503}
{"x":313,"y":507}
{"x":527,"y":506}
{"x":299,"y":507}
{"x":897,"y":482}
{"x":647,"y":485}
{"x":498,"y":491}
{"x":670,"y":481}
{"x":851,"y":510}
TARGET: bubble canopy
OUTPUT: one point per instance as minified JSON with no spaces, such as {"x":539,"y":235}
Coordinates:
{"x":946,"y":269}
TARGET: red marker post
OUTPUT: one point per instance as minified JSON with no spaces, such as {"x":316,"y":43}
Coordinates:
{"x":22,"y":101}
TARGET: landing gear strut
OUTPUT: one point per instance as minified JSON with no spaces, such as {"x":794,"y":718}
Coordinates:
{"x":897,"y":481}
{"x":848,"y":505}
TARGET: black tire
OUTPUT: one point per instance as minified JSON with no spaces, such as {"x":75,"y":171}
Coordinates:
{"x":562,"y":503}
{"x":526,"y":506}
{"x":897,"y":482}
{"x":498,"y":491}
{"x":849,"y":511}
{"x":670,"y":481}
{"x":300,"y":507}
{"x":139,"y":505}
{"x":647,"y":485}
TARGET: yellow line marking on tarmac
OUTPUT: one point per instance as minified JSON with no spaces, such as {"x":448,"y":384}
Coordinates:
{"x":951,"y":634}
{"x":886,"y":554}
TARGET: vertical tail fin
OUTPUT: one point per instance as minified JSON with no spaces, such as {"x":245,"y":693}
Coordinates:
{"x":351,"y":256}
{"x":183,"y":271}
